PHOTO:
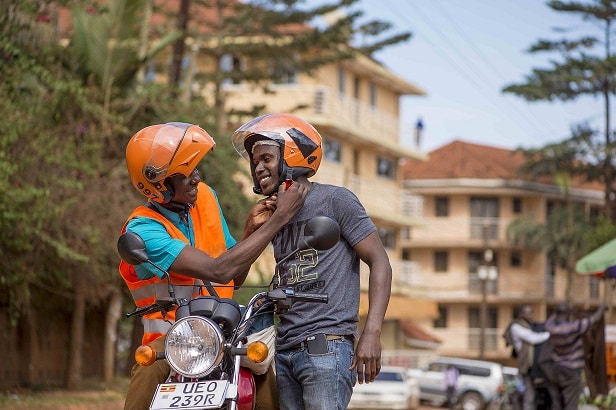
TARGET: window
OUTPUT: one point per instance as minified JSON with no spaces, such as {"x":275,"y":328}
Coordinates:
{"x":150,"y":73}
{"x":283,"y":73}
{"x":441,"y":321}
{"x":387,"y":376}
{"x":476,"y":258}
{"x":373,"y":93}
{"x":332,"y":150}
{"x":593,"y":287}
{"x":386,"y":168}
{"x":484,"y":218}
{"x":441,"y":261}
{"x":228,"y":64}
{"x":516,"y":259}
{"x":517,"y":205}
{"x":341,"y":81}
{"x":441,"y":206}
{"x":388,"y":237}
{"x":474,"y":317}
{"x":437,"y":367}
{"x":405,"y":233}
{"x":474,"y":371}
{"x":406,"y":255}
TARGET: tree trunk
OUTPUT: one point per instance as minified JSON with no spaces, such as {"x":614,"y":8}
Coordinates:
{"x":31,"y":338}
{"x":143,"y":38}
{"x":136,"y":337}
{"x":219,"y":99}
{"x":608,"y":169}
{"x":178,"y":47}
{"x":75,"y":358}
{"x":114,"y":310}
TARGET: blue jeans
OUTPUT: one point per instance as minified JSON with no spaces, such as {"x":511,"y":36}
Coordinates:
{"x":316,"y":382}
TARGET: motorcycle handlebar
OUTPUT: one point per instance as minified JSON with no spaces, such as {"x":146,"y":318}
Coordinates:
{"x":311,"y":297}
{"x":279,"y":294}
{"x":141,"y":311}
{"x":161,"y":305}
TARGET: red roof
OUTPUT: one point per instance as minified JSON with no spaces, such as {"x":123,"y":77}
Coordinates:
{"x":414,"y":331}
{"x":203,"y":17}
{"x":460,"y":159}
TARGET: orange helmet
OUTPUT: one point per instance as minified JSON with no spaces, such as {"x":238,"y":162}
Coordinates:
{"x":300,"y":144}
{"x":159,"y":151}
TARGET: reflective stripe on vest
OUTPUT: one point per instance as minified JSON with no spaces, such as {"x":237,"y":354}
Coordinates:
{"x":209,"y":237}
{"x":155,"y":327}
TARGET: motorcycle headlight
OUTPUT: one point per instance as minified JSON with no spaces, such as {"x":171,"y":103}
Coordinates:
{"x":194,"y":346}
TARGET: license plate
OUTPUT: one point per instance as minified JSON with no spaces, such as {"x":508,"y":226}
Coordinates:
{"x":196,"y":395}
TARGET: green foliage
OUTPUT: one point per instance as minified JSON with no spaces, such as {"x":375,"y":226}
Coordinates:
{"x":105,"y":43}
{"x":602,"y":232}
{"x":585,"y":67}
{"x":601,"y":401}
{"x":562,"y":235}
{"x":301,"y":38}
{"x":68,"y":110}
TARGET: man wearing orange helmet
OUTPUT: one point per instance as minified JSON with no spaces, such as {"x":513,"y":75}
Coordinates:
{"x":185,"y":232}
{"x":317,"y":363}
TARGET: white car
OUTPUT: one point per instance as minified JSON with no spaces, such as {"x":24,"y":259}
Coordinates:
{"x":479,"y":381}
{"x":393,"y":388}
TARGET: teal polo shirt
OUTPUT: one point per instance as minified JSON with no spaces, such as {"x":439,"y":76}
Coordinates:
{"x":160,"y":246}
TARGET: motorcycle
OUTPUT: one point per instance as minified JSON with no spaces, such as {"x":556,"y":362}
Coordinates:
{"x":205,"y":344}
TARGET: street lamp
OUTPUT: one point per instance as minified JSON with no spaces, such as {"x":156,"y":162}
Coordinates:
{"x":485,"y":272}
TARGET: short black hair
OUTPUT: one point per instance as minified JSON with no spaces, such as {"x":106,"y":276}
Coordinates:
{"x":563,"y":309}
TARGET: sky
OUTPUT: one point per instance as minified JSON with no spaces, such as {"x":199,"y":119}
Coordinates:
{"x":463,"y":53}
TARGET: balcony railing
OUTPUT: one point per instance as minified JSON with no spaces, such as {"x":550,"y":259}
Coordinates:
{"x":467,"y":340}
{"x":320,"y":104}
{"x":382,"y":198}
{"x":406,"y":277}
{"x":411,"y":279}
{"x":458,"y":229}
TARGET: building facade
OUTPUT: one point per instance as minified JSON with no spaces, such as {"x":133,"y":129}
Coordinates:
{"x":471,"y":193}
{"x":355,"y":107}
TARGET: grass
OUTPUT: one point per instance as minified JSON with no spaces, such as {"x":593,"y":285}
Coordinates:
{"x":93,"y":396}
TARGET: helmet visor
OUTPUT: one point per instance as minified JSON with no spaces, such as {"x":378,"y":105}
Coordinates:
{"x":165,"y":145}
{"x":240,"y":136}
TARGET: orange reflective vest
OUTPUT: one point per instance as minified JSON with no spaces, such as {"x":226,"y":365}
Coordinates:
{"x":209,"y":237}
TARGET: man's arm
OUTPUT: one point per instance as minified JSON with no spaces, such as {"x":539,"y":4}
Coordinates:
{"x":367,"y":357}
{"x":529,"y":335}
{"x":237,"y":260}
{"x":594,"y":318}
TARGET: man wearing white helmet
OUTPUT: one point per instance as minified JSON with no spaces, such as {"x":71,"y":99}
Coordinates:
{"x":319,"y":353}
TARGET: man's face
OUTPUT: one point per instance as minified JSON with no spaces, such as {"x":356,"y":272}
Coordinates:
{"x":266,"y":159}
{"x":527,"y":313}
{"x":185,"y":188}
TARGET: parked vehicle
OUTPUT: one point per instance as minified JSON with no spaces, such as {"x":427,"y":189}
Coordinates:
{"x":393,"y":388}
{"x":478,"y":382}
{"x":205,"y":345}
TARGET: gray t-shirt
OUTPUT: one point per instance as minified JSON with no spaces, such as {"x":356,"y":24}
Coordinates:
{"x":334,"y":271}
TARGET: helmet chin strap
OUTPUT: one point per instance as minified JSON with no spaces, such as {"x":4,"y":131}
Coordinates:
{"x":285,"y":176}
{"x":181,"y":209}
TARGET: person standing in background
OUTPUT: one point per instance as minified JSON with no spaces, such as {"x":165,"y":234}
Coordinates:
{"x":450,"y":381}
{"x":524,"y":338}
{"x":568,"y":351}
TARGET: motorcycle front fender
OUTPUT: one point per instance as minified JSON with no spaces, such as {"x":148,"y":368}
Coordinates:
{"x":246,"y":390}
